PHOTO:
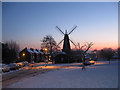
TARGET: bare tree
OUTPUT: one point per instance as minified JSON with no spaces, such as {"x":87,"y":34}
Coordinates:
{"x":84,"y":50}
{"x":10,"y":51}
{"x":49,"y":43}
{"x":107,"y":53}
{"x":12,"y":45}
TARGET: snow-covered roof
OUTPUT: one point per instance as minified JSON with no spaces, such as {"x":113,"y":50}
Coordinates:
{"x":35,"y":51}
{"x":40,"y":52}
{"x":30,"y":51}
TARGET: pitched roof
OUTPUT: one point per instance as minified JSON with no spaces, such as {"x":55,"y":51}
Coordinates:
{"x":40,"y":52}
{"x":30,"y":51}
{"x":35,"y":51}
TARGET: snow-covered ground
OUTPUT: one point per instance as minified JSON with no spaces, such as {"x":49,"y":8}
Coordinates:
{"x":100,"y":75}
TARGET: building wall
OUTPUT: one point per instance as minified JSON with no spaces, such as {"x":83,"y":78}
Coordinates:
{"x":37,"y":57}
{"x":28,"y":56}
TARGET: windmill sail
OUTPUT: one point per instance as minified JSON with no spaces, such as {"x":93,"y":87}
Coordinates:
{"x":60,"y":30}
{"x":66,"y":44}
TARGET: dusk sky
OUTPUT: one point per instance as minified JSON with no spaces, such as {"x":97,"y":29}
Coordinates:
{"x":27,"y":23}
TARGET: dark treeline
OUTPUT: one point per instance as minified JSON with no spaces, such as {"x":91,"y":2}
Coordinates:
{"x":108,"y":54}
{"x":118,"y":51}
{"x":10,"y":51}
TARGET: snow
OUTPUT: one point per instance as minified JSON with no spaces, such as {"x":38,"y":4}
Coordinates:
{"x":100,"y":75}
{"x":13,"y":71}
{"x":30,"y":51}
{"x":40,"y":52}
{"x":35,"y":51}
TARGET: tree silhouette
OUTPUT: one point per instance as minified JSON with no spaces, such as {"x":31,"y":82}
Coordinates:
{"x":107,"y":53}
{"x":84,"y":50}
{"x":119,"y":52}
{"x":9,"y":51}
{"x":49,"y":43}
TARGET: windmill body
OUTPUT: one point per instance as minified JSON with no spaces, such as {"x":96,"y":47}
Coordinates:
{"x":65,"y":58}
{"x":66,"y":40}
{"x":66,"y":44}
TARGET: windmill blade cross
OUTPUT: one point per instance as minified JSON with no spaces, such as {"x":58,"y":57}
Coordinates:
{"x":72,"y":30}
{"x":60,"y":29}
{"x":60,"y":42}
{"x":72,"y":42}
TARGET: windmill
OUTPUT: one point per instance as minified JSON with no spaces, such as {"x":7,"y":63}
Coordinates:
{"x":66,"y":41}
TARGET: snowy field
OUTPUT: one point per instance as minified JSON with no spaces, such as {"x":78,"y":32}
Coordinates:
{"x":100,"y":75}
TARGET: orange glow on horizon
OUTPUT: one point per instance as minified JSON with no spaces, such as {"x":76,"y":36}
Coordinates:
{"x":96,"y":46}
